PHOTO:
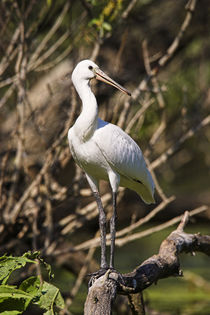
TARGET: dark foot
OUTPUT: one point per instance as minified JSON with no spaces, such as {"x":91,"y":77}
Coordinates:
{"x":111,"y":274}
{"x":95,"y":275}
{"x":117,"y":276}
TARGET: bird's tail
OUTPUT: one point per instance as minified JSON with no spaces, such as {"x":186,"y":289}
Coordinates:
{"x":146,"y":194}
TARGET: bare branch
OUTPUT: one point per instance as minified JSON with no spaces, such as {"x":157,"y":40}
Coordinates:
{"x":95,"y":242}
{"x":170,"y":151}
{"x":147,"y":218}
{"x":50,"y":51}
{"x":157,"y":228}
{"x":128,"y":9}
{"x":20,"y":68}
{"x":43,"y":43}
{"x":190,"y":7}
{"x":166,"y":263}
{"x":102,"y":293}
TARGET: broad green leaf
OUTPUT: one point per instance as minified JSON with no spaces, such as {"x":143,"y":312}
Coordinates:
{"x":15,"y":300}
{"x":12,"y":300}
{"x":10,"y":312}
{"x":9,"y":263}
{"x":31,"y":285}
{"x":50,"y":298}
{"x":13,"y":292}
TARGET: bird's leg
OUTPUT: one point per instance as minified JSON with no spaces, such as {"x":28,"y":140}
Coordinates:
{"x":102,"y":225}
{"x":113,"y":230}
{"x":113,"y":233}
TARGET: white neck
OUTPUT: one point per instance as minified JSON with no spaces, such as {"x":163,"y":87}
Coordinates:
{"x":86,"y":123}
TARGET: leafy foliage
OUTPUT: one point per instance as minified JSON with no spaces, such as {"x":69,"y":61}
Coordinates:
{"x":14,"y":300}
{"x":109,"y":12}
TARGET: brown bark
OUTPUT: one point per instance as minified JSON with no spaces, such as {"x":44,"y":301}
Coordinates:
{"x":101,"y":296}
{"x":165,"y":264}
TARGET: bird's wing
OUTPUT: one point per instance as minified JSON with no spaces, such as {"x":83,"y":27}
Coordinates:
{"x":123,"y":154}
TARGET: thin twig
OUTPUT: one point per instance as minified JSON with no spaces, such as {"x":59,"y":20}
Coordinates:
{"x":157,"y":185}
{"x":138,"y":114}
{"x":170,"y":151}
{"x":50,"y":51}
{"x":20,"y":67}
{"x":81,"y":275}
{"x":2,"y":175}
{"x":160,"y":227}
{"x":145,"y":219}
{"x":128,"y":9}
{"x":122,"y":241}
{"x":190,"y":7}
{"x":51,"y":32}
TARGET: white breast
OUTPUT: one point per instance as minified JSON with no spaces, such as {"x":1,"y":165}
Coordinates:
{"x":88,"y":156}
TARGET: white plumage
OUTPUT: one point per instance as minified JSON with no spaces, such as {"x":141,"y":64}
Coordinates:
{"x":103,"y":150}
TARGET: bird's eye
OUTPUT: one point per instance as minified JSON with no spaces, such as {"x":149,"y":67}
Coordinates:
{"x":90,"y":67}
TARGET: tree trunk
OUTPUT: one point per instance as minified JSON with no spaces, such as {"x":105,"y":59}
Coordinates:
{"x":101,"y":296}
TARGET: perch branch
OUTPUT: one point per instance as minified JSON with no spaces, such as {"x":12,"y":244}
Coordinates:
{"x":166,"y":263}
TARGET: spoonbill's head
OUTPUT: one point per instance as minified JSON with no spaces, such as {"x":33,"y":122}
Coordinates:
{"x":87,"y":70}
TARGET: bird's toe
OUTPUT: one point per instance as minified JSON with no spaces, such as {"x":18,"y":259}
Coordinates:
{"x":95,"y":275}
{"x":116,"y":275}
{"x":111,"y":274}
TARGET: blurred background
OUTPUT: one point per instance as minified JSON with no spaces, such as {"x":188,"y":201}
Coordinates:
{"x":159,"y":50}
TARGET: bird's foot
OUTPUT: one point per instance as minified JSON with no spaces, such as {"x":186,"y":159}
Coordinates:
{"x":110,"y":272}
{"x":95,"y":275}
{"x":116,"y":275}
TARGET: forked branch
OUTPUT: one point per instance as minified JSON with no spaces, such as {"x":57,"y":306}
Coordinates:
{"x":164,"y":264}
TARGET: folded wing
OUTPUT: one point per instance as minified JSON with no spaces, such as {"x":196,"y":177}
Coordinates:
{"x":125,"y":157}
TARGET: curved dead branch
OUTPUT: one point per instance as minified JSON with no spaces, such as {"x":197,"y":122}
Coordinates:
{"x":165,"y":264}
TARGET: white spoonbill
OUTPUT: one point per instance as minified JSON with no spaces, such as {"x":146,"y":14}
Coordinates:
{"x":105,"y":151}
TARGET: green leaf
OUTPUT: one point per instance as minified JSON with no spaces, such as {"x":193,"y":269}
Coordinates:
{"x":32,"y":255}
{"x":10,"y":312}
{"x":106,"y":26}
{"x":31,"y":285}
{"x":15,"y":300}
{"x":13,"y":292}
{"x":50,"y":298}
{"x":12,"y":300}
{"x":96,"y":22}
{"x":9,"y":263}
